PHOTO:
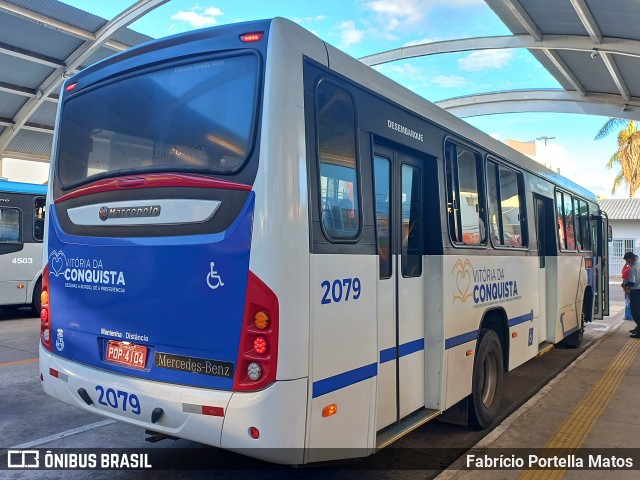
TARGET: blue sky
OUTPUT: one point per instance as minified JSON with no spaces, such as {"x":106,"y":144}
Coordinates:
{"x":362,"y":27}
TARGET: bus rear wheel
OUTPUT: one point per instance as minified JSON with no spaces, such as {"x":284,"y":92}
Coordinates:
{"x":36,"y":303}
{"x":488,"y":371}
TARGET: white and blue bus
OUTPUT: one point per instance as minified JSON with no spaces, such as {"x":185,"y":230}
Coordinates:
{"x":259,"y":243}
{"x":22,"y":212}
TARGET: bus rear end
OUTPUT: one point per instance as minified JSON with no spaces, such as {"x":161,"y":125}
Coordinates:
{"x":150,"y":312}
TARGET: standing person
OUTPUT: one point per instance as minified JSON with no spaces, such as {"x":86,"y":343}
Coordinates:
{"x":634,"y":290}
{"x":625,"y":277}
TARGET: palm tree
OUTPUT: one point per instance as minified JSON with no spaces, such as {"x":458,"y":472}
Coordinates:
{"x":627,"y":155}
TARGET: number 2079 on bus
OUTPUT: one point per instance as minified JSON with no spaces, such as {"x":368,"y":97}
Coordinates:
{"x":341,"y":290}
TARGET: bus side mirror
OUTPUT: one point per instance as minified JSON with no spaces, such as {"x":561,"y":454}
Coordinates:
{"x":610,"y":234}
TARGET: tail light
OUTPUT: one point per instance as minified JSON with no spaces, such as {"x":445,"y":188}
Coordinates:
{"x":45,"y":317}
{"x":258,"y":353}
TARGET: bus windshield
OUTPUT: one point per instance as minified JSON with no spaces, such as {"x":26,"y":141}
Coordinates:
{"x":190,"y":117}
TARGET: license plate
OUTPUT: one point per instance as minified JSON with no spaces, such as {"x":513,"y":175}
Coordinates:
{"x":129,"y":354}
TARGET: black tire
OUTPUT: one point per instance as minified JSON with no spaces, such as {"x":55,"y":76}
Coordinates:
{"x":36,"y":303}
{"x":488,"y":372}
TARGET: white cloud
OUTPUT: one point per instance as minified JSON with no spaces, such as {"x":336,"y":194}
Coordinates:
{"x":484,"y":60}
{"x":199,"y":17}
{"x":397,"y":8}
{"x":395,"y":14}
{"x":417,"y":78}
{"x":448,"y":81}
{"x":403,"y":71}
{"x":317,"y":18}
{"x":465,"y":3}
{"x":349,"y":34}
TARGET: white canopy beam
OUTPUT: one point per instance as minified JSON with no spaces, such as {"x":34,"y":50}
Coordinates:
{"x":550,"y":42}
{"x":52,"y":82}
{"x":558,"y":101}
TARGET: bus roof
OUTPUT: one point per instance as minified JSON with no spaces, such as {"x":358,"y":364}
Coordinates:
{"x":18,"y":187}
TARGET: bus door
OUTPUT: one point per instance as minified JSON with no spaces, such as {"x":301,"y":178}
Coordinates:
{"x":545,"y":233}
{"x":399,"y":217}
{"x":601,"y":236}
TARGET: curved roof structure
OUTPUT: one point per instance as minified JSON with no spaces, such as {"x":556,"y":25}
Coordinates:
{"x":591,"y":47}
{"x":41,"y":43}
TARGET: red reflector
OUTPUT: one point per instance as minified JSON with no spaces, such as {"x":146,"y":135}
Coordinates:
{"x":251,"y":37}
{"x":70,"y":87}
{"x":254,"y":432}
{"x":53,"y":373}
{"x":213,"y":411}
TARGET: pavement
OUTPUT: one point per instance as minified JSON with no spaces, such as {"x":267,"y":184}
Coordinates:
{"x":586,"y":418}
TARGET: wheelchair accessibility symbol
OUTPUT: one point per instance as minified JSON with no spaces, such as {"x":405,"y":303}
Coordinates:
{"x":213,"y":279}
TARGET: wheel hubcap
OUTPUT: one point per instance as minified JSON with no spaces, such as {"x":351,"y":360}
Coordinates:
{"x":489,"y":378}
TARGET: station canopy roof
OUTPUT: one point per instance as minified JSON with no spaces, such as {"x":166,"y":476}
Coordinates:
{"x":42,"y":42}
{"x":591,"y":47}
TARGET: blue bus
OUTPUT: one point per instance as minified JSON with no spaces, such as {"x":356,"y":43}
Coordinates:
{"x":258,"y":243}
{"x":22,"y":213}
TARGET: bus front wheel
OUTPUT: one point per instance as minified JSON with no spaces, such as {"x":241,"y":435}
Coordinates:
{"x":488,"y":371}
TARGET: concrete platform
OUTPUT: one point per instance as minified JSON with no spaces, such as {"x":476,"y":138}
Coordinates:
{"x":591,"y":406}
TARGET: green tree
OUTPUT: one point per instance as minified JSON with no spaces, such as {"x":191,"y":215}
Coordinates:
{"x":628,"y":154}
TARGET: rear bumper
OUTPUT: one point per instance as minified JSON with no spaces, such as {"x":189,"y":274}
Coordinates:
{"x":279,"y":411}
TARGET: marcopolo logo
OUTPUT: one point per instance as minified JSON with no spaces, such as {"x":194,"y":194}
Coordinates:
{"x":105,"y":213}
{"x":484,"y":285}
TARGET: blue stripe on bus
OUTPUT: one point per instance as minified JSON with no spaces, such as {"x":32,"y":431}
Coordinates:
{"x":521,"y":319}
{"x":469,"y":336}
{"x":412,"y":347}
{"x":331,"y":384}
{"x":460,"y":339}
{"x":389,"y":354}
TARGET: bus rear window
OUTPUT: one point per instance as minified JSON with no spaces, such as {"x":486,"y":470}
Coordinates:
{"x":9,"y":225}
{"x":189,"y":117}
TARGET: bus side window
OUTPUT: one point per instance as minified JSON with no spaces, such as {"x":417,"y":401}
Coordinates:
{"x":506,"y":208}
{"x":411,"y":259}
{"x":584,"y":225}
{"x":562,"y":238}
{"x":464,"y":199}
{"x":38,"y":219}
{"x":577,"y":229}
{"x":383,"y":215}
{"x":568,"y":222}
{"x":9,"y":225}
{"x":337,"y":161}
